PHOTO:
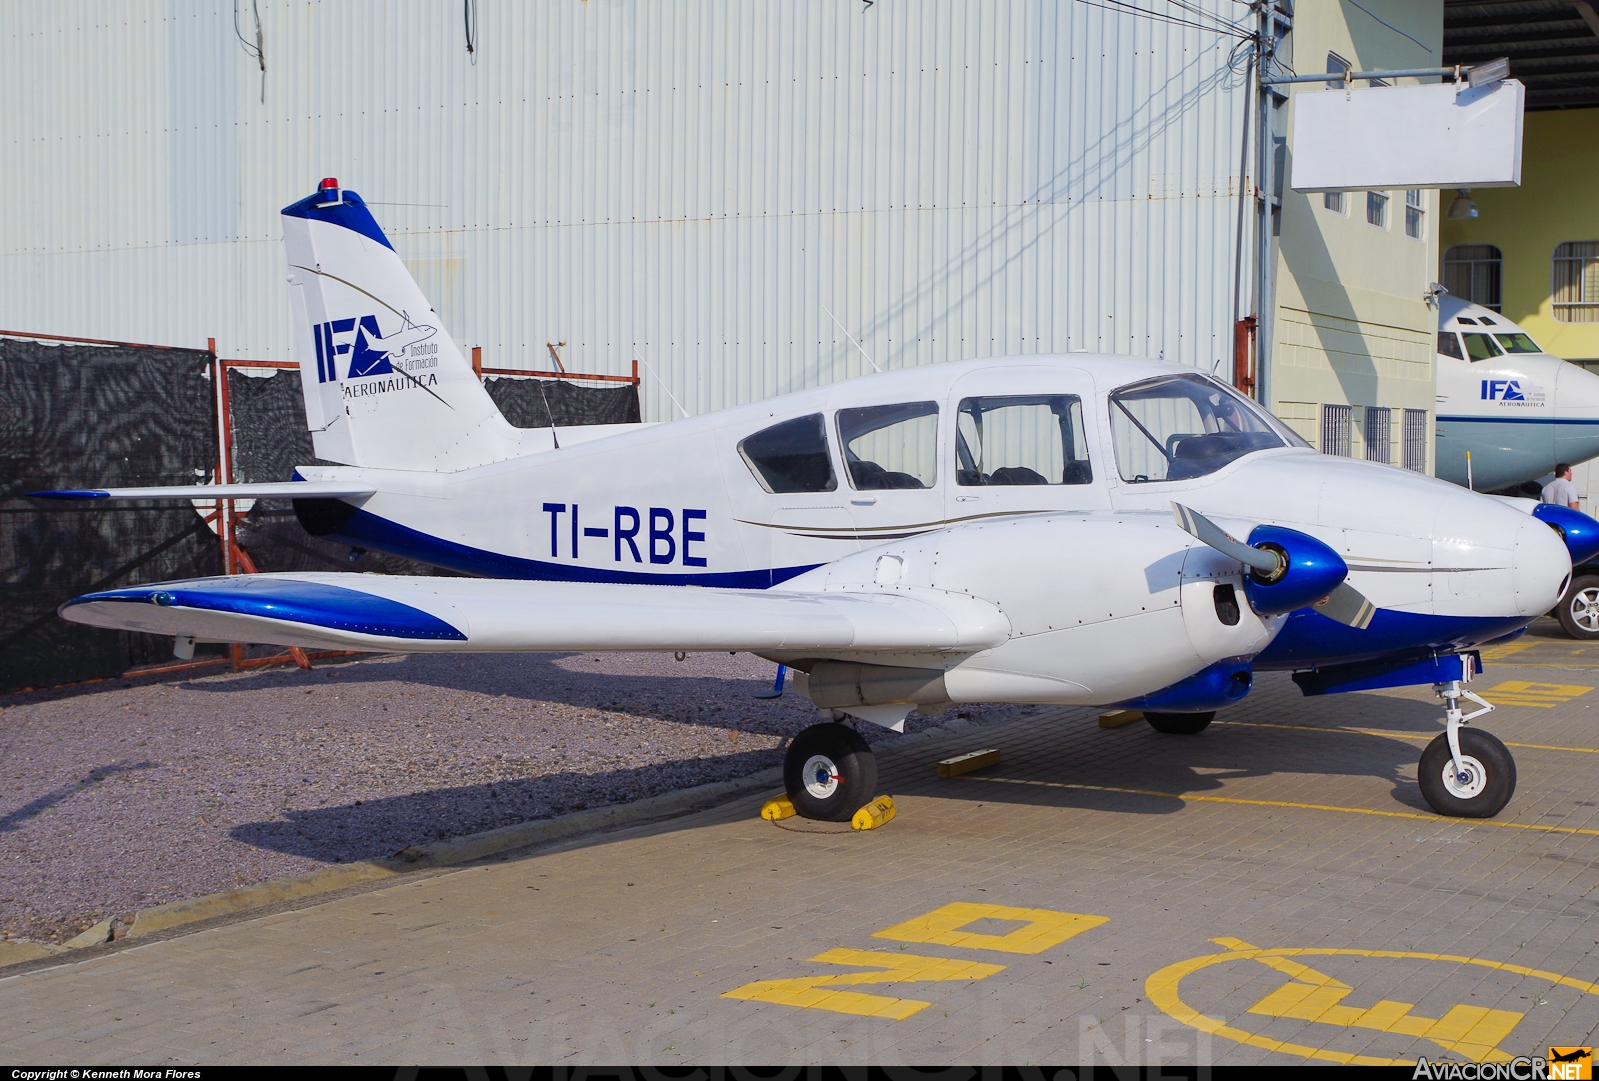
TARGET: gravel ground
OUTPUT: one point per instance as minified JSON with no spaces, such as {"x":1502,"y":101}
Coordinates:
{"x":119,"y":795}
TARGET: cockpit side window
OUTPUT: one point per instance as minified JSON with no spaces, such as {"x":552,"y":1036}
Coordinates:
{"x":1449,"y":345}
{"x":791,"y":456}
{"x":1481,"y":346}
{"x":890,"y":446}
{"x":1021,"y":439}
{"x":1517,"y":343}
{"x":1176,"y":427}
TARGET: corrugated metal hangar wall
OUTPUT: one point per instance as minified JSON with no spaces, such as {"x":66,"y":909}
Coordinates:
{"x":699,"y":181}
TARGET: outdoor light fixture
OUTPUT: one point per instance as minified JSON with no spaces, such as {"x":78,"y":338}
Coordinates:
{"x":1463,"y":207}
{"x":1491,"y":72}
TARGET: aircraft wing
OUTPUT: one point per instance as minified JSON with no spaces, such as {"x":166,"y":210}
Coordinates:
{"x":297,"y":489}
{"x":423,"y":614}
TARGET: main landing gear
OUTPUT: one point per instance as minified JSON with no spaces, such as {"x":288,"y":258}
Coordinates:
{"x":1465,"y":773}
{"x":829,"y":772}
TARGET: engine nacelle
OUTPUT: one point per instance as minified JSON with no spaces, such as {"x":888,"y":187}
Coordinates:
{"x":1102,"y":608}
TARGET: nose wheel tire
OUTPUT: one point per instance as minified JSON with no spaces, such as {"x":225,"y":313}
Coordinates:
{"x":829,"y":772}
{"x":1578,"y":610}
{"x":1480,"y":788}
{"x":1180,"y":724}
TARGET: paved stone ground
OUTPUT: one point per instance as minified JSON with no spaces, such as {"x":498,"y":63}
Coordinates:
{"x":1295,"y":827}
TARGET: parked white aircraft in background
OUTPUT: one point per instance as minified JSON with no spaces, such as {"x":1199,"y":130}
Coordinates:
{"x":989,"y":531}
{"x":1517,"y":410}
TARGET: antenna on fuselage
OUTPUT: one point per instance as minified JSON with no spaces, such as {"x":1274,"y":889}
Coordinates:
{"x":852,"y":341}
{"x":661,"y":381}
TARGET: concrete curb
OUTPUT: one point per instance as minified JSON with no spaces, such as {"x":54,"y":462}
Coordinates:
{"x":148,"y":921}
{"x":417,"y":858}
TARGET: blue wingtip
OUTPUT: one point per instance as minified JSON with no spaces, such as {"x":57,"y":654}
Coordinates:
{"x":71,"y":493}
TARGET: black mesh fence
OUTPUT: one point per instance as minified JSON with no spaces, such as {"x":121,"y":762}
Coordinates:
{"x":539,"y":403}
{"x":95,"y":417}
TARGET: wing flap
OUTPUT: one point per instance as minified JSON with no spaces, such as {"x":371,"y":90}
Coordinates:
{"x":416,"y":614}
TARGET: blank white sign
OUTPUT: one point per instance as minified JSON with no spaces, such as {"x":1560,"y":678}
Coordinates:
{"x":1431,"y":136}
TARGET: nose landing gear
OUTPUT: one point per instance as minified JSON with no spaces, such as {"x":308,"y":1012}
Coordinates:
{"x":1465,"y":773}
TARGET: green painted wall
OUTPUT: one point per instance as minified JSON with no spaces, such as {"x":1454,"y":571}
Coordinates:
{"x":1558,"y":201}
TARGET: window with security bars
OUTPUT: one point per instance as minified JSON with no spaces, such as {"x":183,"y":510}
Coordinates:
{"x":1416,"y":440}
{"x":1472,"y":273}
{"x":1576,"y":282}
{"x":1335,"y":422}
{"x":1377,"y":209}
{"x":1378,"y":439}
{"x":1415,"y":211}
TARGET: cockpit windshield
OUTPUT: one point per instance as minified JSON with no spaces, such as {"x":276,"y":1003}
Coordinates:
{"x":1180,"y":426}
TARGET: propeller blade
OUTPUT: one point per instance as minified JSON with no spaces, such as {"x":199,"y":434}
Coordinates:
{"x":1269,"y":564}
{"x":1348,"y":606}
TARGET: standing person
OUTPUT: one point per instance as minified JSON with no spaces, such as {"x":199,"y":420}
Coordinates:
{"x":1561,"y":491}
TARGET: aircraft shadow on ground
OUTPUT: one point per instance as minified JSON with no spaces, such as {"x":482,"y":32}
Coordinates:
{"x":527,"y":677}
{"x":378,"y":828}
{"x":1156,"y":774}
{"x":36,"y":807}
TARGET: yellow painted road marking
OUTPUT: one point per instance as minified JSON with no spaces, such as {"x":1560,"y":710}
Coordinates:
{"x":815,"y":992}
{"x":1467,"y":1030}
{"x":1499,"y":653}
{"x":1520,"y":692}
{"x":1045,"y":928}
{"x":1396,"y":735}
{"x":1300,"y":806}
{"x":1471,"y":1031}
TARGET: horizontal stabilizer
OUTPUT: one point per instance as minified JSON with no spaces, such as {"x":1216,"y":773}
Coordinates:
{"x":481,"y":615}
{"x":300,"y":489}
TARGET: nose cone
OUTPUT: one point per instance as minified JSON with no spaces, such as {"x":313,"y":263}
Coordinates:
{"x":1576,"y":414}
{"x":1540,"y":567}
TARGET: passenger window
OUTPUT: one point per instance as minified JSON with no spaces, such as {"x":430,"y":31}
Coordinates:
{"x":1449,"y":345}
{"x":890,"y":446}
{"x":791,"y":456}
{"x":1480,"y":346}
{"x":1021,"y":439}
{"x":1182,"y":426}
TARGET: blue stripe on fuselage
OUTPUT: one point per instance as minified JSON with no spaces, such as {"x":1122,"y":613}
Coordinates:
{"x":367,"y":530}
{"x":1310,"y":638}
{"x":1592,"y":422}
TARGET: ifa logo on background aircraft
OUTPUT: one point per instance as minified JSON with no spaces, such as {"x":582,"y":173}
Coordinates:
{"x":369,"y":351}
{"x":1502,"y":390}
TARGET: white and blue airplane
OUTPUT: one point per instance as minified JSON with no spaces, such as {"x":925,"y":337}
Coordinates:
{"x":1032,"y":529}
{"x":1506,"y":406}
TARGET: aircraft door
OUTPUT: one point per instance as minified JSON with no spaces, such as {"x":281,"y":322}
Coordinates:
{"x":891,"y":468}
{"x":1020,"y":445}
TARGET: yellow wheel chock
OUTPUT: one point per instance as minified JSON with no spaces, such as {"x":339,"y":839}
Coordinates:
{"x":775,"y":810}
{"x":879,"y":812}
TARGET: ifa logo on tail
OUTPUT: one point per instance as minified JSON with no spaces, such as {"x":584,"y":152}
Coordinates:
{"x":368,"y":350}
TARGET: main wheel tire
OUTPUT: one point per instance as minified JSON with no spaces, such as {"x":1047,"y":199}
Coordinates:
{"x":829,"y":772}
{"x":1578,"y":610}
{"x":1486,"y":785}
{"x":1180,"y":724}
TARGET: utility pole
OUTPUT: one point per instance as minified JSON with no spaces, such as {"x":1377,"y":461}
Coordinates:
{"x":1274,"y":23}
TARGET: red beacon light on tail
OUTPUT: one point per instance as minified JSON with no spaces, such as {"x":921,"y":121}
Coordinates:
{"x":328,"y":193}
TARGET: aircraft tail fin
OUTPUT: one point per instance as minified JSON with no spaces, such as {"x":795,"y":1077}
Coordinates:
{"x":385,"y":384}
